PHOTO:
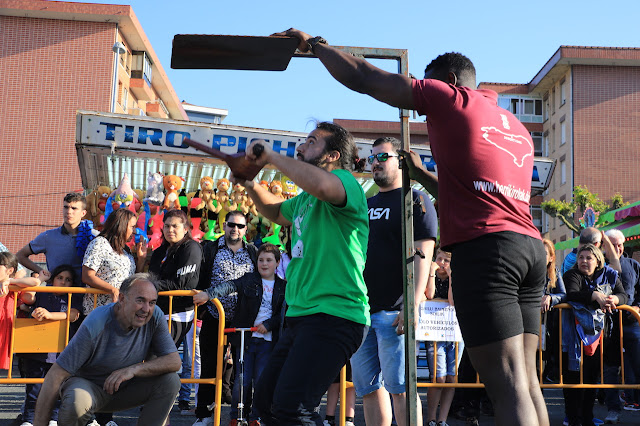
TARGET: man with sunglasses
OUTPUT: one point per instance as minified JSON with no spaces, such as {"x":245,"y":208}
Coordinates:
{"x":226,"y":259}
{"x":378,"y":365}
{"x":485,"y":163}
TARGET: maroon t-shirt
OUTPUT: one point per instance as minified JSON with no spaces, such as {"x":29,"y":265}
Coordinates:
{"x":485,"y":162}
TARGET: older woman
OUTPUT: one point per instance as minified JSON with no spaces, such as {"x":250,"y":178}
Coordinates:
{"x":593,"y":289}
{"x":177,"y":263}
{"x":108,"y":260}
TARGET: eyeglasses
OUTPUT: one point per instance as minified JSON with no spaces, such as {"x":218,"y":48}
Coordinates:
{"x":381,"y":157}
{"x":236,"y":225}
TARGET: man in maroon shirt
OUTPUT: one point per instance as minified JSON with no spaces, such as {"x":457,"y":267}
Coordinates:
{"x":485,"y":161}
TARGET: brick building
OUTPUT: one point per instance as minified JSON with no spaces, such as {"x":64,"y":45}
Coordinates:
{"x":56,"y":58}
{"x":589,"y":98}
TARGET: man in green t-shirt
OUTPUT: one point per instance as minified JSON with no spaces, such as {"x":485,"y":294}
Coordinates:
{"x":328,"y":312}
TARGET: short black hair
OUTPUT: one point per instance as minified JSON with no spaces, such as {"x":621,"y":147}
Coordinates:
{"x":395,"y":143}
{"x":453,"y":62}
{"x":235,"y":213}
{"x":75,"y":197}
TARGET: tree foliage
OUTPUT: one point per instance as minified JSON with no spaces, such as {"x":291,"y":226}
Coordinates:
{"x":568,"y":212}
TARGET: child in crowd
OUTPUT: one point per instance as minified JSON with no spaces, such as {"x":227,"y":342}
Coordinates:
{"x":439,"y":287}
{"x":51,"y":307}
{"x":8,"y":268}
{"x":260,"y":299}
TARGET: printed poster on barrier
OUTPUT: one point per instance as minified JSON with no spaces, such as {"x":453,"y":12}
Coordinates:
{"x":438,"y":322}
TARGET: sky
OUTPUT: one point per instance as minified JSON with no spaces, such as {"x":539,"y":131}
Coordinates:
{"x":508,"y":41}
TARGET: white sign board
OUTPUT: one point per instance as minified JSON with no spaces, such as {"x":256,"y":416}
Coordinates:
{"x":163,"y":136}
{"x":438,"y":322}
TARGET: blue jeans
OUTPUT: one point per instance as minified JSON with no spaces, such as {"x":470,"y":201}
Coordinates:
{"x":185,"y":388}
{"x":256,"y":357}
{"x":35,"y":369}
{"x":446,"y":361}
{"x":380,"y":360}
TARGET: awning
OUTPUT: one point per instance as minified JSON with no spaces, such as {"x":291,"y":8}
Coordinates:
{"x":630,"y":228}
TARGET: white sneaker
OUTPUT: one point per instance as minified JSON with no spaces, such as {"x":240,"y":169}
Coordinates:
{"x":204,"y":422}
{"x":53,"y":423}
{"x":613,"y":417}
{"x":26,"y":424}
{"x":111,"y":423}
{"x":348,"y":424}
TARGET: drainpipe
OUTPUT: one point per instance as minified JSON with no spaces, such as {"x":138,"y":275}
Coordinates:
{"x":118,"y":48}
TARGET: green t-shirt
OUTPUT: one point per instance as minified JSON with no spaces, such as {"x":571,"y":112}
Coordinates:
{"x":328,"y":254}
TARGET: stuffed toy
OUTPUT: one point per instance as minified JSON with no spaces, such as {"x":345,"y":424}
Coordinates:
{"x":207,"y":196}
{"x":154,"y":196}
{"x":276,"y":189}
{"x":172,"y":184}
{"x":96,"y":205}
{"x":289,"y":188}
{"x":238,"y":199}
{"x":123,"y":196}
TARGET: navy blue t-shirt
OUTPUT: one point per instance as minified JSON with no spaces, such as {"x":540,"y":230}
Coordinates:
{"x":383,"y":271}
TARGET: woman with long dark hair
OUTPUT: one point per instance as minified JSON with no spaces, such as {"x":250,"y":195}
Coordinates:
{"x":594,"y":289}
{"x":177,"y":263}
{"x":108,"y":261}
{"x":554,"y":293}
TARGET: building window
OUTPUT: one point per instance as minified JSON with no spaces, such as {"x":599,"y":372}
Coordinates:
{"x":545,"y":145}
{"x":563,"y":133}
{"x":141,"y":66}
{"x":536,"y":215}
{"x":563,"y":92}
{"x":125,"y":99}
{"x":527,"y":109}
{"x":552,"y":99}
{"x":545,"y":111}
{"x":563,"y":172}
{"x":538,"y":147}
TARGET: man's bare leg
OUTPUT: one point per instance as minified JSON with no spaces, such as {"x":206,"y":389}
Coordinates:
{"x":503,"y":370}
{"x":530,"y":350}
{"x":400,"y":409}
{"x":377,"y":408}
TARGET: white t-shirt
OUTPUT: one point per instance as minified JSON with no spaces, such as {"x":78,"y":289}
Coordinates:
{"x":265,"y":312}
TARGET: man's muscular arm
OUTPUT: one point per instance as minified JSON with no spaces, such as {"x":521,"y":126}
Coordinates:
{"x":358,"y":74}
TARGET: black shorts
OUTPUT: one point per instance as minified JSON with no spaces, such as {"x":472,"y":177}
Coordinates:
{"x":497,"y":283}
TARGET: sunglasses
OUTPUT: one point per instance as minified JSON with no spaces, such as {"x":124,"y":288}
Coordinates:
{"x":381,"y":157}
{"x":236,"y":225}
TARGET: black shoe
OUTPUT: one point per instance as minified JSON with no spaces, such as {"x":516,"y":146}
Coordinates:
{"x":226,"y":398}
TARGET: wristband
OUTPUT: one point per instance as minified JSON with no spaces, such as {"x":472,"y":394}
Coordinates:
{"x":314,"y":41}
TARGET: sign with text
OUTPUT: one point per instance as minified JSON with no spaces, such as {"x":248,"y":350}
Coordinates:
{"x":438,"y":322}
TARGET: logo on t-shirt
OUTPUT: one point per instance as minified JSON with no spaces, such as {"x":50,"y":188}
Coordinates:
{"x":518,"y":146}
{"x":376,"y":213}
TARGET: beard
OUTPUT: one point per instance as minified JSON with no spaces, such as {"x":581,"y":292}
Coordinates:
{"x":232,"y":240}
{"x":383,"y":179}
{"x":317,"y":161}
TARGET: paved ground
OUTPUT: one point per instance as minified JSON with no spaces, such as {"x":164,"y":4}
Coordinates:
{"x":11,"y":397}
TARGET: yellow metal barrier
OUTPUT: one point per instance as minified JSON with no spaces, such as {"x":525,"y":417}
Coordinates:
{"x":32,"y":336}
{"x":561,"y":384}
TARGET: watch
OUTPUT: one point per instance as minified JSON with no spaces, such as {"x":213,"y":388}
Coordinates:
{"x":314,"y":41}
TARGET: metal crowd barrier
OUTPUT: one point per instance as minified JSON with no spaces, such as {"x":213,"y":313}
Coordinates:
{"x":560,"y":384}
{"x":32,"y":336}
{"x":29,"y":335}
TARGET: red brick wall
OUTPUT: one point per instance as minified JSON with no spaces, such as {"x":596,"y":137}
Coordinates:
{"x":606,"y":103}
{"x":49,"y":68}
